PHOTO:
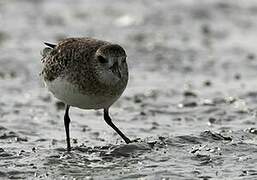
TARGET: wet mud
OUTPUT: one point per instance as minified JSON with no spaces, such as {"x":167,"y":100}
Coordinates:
{"x":191,"y":101}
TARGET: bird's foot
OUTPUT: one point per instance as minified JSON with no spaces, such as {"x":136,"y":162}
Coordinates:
{"x":135,"y":140}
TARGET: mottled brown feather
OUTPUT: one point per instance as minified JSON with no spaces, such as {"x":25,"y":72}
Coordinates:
{"x":73,"y":59}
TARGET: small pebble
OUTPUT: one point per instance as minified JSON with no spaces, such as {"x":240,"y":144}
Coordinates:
{"x":190,"y":104}
{"x":207,"y":83}
{"x":237,"y":76}
{"x":137,"y":99}
{"x":190,"y":93}
{"x":142,"y":113}
{"x":212,"y":120}
{"x":206,"y":29}
{"x":75,"y":141}
{"x":250,"y":56}
{"x":60,"y":105}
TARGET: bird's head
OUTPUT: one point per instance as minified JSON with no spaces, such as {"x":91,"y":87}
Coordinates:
{"x":111,"y":63}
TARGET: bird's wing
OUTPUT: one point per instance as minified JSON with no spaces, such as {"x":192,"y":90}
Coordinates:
{"x":68,"y":53}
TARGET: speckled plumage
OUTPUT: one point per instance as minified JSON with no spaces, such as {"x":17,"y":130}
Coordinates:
{"x":74,"y":60}
{"x":85,"y":73}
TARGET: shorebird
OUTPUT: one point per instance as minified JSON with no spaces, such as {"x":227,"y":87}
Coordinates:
{"x":86,"y":73}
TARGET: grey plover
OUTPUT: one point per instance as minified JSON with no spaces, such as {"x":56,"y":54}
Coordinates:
{"x":86,"y":73}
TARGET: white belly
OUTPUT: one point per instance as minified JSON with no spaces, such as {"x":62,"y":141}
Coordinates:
{"x":69,"y":94}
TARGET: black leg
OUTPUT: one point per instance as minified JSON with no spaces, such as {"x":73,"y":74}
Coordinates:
{"x":66,"y":124}
{"x":108,"y":120}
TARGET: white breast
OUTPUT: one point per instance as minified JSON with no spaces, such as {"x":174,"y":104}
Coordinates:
{"x":69,"y":94}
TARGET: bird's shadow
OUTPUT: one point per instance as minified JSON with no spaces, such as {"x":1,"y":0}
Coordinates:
{"x":110,"y":151}
{"x":116,"y":150}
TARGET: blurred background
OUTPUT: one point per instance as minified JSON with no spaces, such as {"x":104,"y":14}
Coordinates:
{"x":191,"y":97}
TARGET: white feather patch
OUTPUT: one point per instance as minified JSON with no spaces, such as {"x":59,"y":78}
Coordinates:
{"x":70,"y":94}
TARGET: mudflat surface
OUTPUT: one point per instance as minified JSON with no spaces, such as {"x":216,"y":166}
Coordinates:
{"x":191,"y":98}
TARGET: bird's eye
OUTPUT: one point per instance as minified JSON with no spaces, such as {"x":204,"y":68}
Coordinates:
{"x":102,"y":60}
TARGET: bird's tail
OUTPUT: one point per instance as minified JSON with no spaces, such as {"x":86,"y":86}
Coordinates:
{"x":47,"y":50}
{"x":50,"y":45}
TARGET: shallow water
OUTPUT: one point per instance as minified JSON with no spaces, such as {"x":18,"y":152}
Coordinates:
{"x":191,"y":97}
